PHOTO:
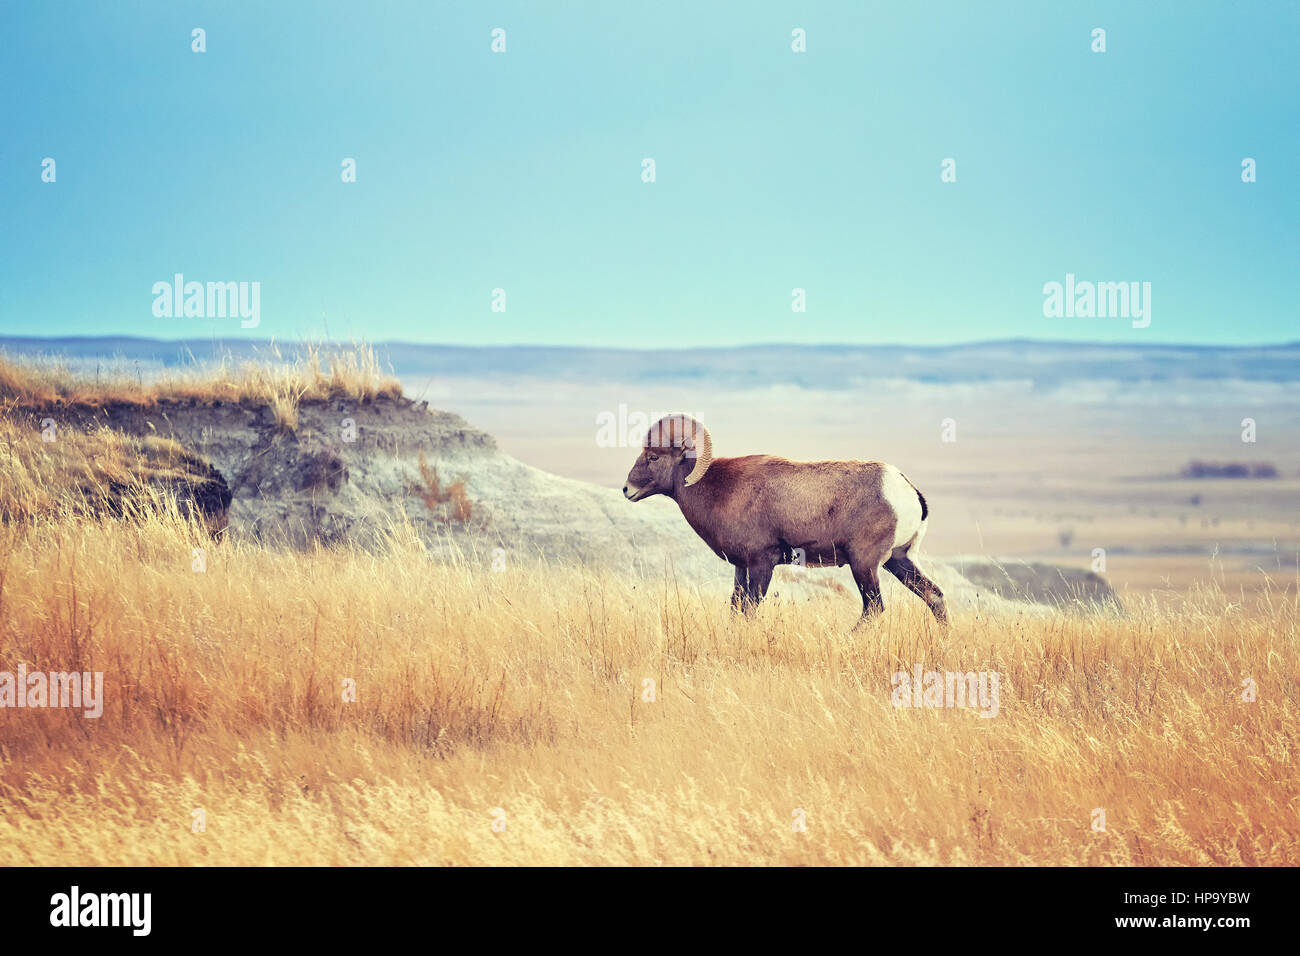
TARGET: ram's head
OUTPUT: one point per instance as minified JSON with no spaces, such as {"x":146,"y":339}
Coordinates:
{"x":677,"y":452}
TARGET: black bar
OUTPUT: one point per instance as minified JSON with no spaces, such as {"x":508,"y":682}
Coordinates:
{"x":952,"y":906}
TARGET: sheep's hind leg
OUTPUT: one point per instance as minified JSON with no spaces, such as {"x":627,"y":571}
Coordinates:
{"x":902,"y":567}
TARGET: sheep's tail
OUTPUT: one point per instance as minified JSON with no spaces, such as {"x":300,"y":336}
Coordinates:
{"x":914,"y":543}
{"x":925,"y":508}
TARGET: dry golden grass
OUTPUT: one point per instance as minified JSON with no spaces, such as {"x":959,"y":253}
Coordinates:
{"x":316,"y":373}
{"x":522,"y":690}
{"x":82,"y":472}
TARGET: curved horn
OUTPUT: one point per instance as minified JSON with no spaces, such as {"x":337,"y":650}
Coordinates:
{"x":701,"y":445}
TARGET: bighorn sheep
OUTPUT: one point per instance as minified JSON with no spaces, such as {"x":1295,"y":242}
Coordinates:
{"x":755,"y":511}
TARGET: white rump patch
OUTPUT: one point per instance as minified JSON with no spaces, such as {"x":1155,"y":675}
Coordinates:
{"x":902,"y":497}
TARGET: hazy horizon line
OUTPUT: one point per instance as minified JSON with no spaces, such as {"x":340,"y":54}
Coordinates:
{"x":968,"y":343}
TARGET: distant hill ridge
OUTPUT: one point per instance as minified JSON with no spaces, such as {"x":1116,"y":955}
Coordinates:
{"x":1047,"y":364}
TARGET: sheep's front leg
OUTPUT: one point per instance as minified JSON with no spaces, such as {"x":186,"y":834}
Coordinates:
{"x":867,"y":576}
{"x":738,"y":589}
{"x":751,"y":584}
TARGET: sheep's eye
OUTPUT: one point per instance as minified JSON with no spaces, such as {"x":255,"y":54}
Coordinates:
{"x":652,"y":457}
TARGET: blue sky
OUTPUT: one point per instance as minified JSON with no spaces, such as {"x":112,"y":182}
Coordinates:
{"x":775,"y":170}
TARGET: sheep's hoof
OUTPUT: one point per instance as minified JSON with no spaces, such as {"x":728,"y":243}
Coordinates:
{"x":864,"y":623}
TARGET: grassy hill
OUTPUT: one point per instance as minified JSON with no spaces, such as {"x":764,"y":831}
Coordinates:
{"x":344,"y":705}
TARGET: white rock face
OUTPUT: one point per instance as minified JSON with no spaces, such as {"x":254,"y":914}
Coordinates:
{"x":314,"y":484}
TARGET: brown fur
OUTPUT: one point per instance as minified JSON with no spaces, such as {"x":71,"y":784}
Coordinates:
{"x":754,"y":511}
